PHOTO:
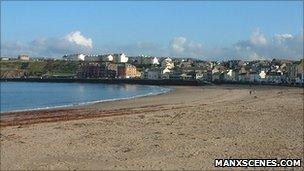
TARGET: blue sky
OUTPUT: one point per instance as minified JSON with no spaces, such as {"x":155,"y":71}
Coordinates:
{"x":178,"y":28}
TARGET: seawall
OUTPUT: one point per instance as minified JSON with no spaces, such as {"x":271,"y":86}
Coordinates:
{"x":163,"y":82}
{"x":109,"y":81}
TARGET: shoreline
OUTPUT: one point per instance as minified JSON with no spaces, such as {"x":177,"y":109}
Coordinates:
{"x":184,"y":129}
{"x":83,"y":104}
{"x":28,"y":117}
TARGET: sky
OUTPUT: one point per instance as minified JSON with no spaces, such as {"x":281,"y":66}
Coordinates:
{"x":199,"y":29}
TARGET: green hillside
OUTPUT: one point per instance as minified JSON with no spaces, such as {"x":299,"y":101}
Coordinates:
{"x":38,"y":68}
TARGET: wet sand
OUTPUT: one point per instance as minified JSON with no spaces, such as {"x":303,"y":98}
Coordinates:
{"x":185,"y":129}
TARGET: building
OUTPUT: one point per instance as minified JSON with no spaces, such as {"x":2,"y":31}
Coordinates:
{"x":167,"y":63}
{"x":217,"y":77}
{"x":127,"y":71}
{"x":92,"y":58}
{"x":166,"y":70}
{"x":199,"y":75}
{"x":151,"y":74}
{"x":107,"y":58}
{"x":243,"y":77}
{"x":254,"y":77}
{"x":75,"y":57}
{"x":274,"y":77}
{"x":91,"y":70}
{"x":120,"y":58}
{"x":296,"y":72}
{"x":112,"y":70}
{"x":23,"y":57}
{"x":98,"y":58}
{"x":150,"y":61}
{"x":175,"y":74}
{"x":231,"y":75}
{"x":262,"y":75}
{"x":186,"y":63}
{"x":5,"y":59}
{"x":187,"y":76}
{"x":145,"y":60}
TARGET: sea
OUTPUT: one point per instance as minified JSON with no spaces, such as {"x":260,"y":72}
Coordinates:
{"x":23,"y":96}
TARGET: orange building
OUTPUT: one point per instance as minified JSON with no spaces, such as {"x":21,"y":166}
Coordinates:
{"x":127,"y":71}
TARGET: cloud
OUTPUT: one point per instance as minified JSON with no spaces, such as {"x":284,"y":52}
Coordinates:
{"x":256,"y":46}
{"x":77,"y":38}
{"x":179,"y":46}
{"x":73,"y":42}
{"x":257,"y":37}
{"x":282,"y":37}
{"x":281,"y":46}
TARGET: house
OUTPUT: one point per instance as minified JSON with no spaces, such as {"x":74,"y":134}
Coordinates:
{"x":231,"y":75}
{"x":23,"y":57}
{"x":199,"y":75}
{"x":254,"y":76}
{"x":74,"y":57}
{"x":242,"y":77}
{"x":207,"y":75}
{"x":186,"y":63}
{"x":215,"y":70}
{"x":166,"y":70}
{"x":127,"y":71}
{"x":92,"y":58}
{"x":149,"y":60}
{"x":153,"y":74}
{"x":216,"y":77}
{"x":96,"y":58}
{"x":167,"y":63}
{"x":107,"y":58}
{"x":91,"y":70}
{"x":274,"y":77}
{"x":296,"y":72}
{"x":120,"y":58}
{"x":262,"y":75}
{"x":165,"y":75}
{"x":187,"y":76}
{"x":175,"y":74}
{"x":5,"y":59}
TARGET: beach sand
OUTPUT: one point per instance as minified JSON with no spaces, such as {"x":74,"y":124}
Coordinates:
{"x":185,"y":129}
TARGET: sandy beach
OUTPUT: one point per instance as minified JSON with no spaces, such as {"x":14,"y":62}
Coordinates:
{"x":184,"y":129}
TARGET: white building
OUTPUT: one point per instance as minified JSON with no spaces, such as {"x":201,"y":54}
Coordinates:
{"x":262,"y":75}
{"x":147,"y":60}
{"x":155,"y":61}
{"x":92,"y":58}
{"x":107,"y":58}
{"x":120,"y":58}
{"x":150,"y":60}
{"x":5,"y":59}
{"x":231,"y":75}
{"x":23,"y":57}
{"x":166,"y":70}
{"x":167,"y":63}
{"x":75,"y":57}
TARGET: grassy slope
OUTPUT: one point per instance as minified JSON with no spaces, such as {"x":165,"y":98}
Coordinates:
{"x":38,"y":68}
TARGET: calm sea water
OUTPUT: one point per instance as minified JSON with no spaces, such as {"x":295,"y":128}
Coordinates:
{"x":17,"y":96}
